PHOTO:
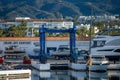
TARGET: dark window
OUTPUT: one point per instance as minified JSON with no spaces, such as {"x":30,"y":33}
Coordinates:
{"x":51,"y":49}
{"x":98,"y":43}
{"x":117,"y":50}
{"x":106,"y":50}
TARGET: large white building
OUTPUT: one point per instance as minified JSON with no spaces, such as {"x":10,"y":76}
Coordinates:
{"x":36,"y":23}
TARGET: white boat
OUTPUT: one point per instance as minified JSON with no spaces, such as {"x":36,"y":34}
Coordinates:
{"x":114,"y":73}
{"x":81,"y":62}
{"x":39,"y":66}
{"x":15,"y":74}
{"x":98,"y":63}
{"x":14,"y":55}
{"x":62,"y":52}
{"x":78,"y":66}
{"x":108,"y":46}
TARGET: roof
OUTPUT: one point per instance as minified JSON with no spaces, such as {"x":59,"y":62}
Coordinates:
{"x":36,"y":20}
{"x":31,"y":38}
{"x":37,"y":38}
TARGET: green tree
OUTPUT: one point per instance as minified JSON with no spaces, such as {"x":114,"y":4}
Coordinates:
{"x":35,"y":32}
{"x":100,"y":26}
{"x":24,"y":23}
{"x":23,"y":28}
{"x":82,"y":31}
{"x":12,"y":31}
{"x":92,"y":31}
{"x":17,"y":31}
{"x":1,"y":32}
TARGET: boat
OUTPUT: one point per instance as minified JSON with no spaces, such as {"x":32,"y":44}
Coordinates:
{"x":15,"y":74}
{"x":98,"y":63}
{"x":81,"y":63}
{"x":114,"y":74}
{"x":13,"y":55}
{"x":63,"y":52}
{"x":108,"y":45}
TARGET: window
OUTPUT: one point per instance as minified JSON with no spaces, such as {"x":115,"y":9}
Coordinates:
{"x":106,"y":50}
{"x":115,"y":42}
{"x":117,"y":50}
{"x":99,"y":43}
{"x":51,"y":49}
{"x":112,"y":32}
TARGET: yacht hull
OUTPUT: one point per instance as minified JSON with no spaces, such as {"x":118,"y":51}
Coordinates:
{"x":76,"y":66}
{"x":98,"y":67}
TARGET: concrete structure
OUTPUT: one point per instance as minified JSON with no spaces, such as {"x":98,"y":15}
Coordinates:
{"x":15,"y":74}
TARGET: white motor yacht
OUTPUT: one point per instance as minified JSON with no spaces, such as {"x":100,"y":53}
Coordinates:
{"x":108,"y":44}
{"x":98,"y":63}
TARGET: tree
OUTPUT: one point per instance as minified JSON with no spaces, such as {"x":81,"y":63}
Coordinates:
{"x":82,"y":31}
{"x":17,"y":31}
{"x":1,"y":32}
{"x":92,"y":31}
{"x":24,"y":23}
{"x":23,"y":28}
{"x":100,"y":26}
{"x":12,"y":31}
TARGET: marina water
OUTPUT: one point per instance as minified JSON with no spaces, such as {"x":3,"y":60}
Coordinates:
{"x":74,"y":75}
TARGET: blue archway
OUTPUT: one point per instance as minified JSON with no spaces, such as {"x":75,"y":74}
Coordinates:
{"x":71,"y":31}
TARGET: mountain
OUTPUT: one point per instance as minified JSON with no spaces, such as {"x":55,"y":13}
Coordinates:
{"x":9,"y":9}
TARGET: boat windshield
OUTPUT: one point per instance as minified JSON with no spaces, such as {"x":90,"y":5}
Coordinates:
{"x":112,"y":32}
{"x":98,"y":57}
{"x":63,"y":49}
{"x":98,"y":43}
{"x":115,"y":42}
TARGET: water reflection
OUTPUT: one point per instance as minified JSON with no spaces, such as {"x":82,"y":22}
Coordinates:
{"x":114,"y":75}
{"x":98,"y":76}
{"x":77,"y":75}
{"x":74,"y":75}
{"x":37,"y":75}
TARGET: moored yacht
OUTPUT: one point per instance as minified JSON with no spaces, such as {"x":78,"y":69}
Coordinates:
{"x":62,"y":52}
{"x":13,"y":55}
{"x":108,"y":44}
{"x":98,"y":63}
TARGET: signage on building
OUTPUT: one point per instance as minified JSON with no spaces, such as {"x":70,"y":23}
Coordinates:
{"x":17,"y":42}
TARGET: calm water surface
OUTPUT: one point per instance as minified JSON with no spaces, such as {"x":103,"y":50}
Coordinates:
{"x":74,"y":75}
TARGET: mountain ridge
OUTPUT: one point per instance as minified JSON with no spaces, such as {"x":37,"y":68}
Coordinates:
{"x":37,"y":9}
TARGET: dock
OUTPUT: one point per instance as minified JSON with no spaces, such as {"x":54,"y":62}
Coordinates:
{"x":15,"y":74}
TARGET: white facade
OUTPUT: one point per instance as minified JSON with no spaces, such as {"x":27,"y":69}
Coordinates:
{"x":22,"y":18}
{"x":6,"y":25}
{"x":36,"y":24}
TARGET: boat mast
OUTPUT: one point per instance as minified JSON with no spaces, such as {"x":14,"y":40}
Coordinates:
{"x":90,"y":35}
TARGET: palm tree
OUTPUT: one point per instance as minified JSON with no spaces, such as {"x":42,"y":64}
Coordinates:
{"x":82,"y":31}
{"x":23,"y":28}
{"x":1,"y":32}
